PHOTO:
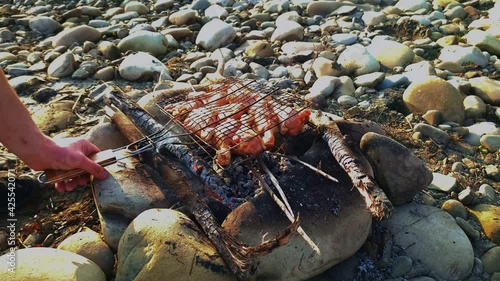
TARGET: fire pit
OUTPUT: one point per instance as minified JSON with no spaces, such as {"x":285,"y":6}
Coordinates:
{"x":310,"y":191}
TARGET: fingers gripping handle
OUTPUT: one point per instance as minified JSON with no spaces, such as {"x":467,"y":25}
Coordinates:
{"x":103,"y":158}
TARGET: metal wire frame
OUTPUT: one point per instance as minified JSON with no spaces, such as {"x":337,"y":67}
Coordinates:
{"x":195,"y":115}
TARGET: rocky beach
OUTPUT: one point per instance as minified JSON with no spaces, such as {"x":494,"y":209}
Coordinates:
{"x":423,"y":74}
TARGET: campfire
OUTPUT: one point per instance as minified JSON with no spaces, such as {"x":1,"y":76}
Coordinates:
{"x":243,"y":139}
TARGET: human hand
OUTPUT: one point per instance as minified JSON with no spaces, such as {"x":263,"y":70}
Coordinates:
{"x":68,"y":154}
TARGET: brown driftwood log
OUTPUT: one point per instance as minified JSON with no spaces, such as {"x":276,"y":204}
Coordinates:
{"x":237,"y":256}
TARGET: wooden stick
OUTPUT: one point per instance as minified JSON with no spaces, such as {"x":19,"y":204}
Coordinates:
{"x":288,"y":214}
{"x":350,"y":158}
{"x":276,"y":184}
{"x":307,"y":165}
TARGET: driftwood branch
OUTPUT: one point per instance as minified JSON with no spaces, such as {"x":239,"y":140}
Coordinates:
{"x":350,"y":158}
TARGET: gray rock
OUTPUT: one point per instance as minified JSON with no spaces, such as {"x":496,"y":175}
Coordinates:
{"x":45,"y":25}
{"x":443,"y":183}
{"x":474,"y":107}
{"x":145,"y":41}
{"x":292,"y":15}
{"x":90,"y":11}
{"x":435,"y":93}
{"x":400,"y":266}
{"x":469,"y":230}
{"x":216,"y":11}
{"x":267,"y":218}
{"x":62,"y":66}
{"x":78,"y":34}
{"x":259,"y":70}
{"x":487,"y":191}
{"x":478,"y":267}
{"x":322,"y":88}
{"x":456,"y":12}
{"x":112,"y":228}
{"x":6,"y":56}
{"x":89,"y":244}
{"x":370,"y":80}
{"x":324,"y":8}
{"x":154,"y":247}
{"x":397,"y":170}
{"x":466,"y":196}
{"x":487,"y":89}
{"x":432,"y":132}
{"x":414,"y":228}
{"x":433,"y":117}
{"x":346,"y":39}
{"x":490,"y":260}
{"x":373,"y":18}
{"x":492,"y":172}
{"x":454,"y":208}
{"x":346,"y":87}
{"x":412,"y":5}
{"x":124,"y":16}
{"x":490,"y":142}
{"x":162,"y":5}
{"x":106,"y":136}
{"x":200,"y":5}
{"x":420,"y":71}
{"x":347,"y":100}
{"x":50,"y":264}
{"x":128,"y":191}
{"x":55,"y":117}
{"x":142,"y":65}
{"x":484,"y":41}
{"x":463,"y":55}
{"x":325,"y":67}
{"x":288,"y":31}
{"x":422,"y":278}
{"x":183,"y":17}
{"x":199,"y":63}
{"x":393,"y":81}
{"x":357,"y":60}
{"x":479,"y":129}
{"x":109,"y":50}
{"x":177,"y":33}
{"x":105,"y":74}
{"x":295,"y":48}
{"x":136,"y":6}
{"x":215,"y":34}
{"x":391,"y":53}
{"x":20,"y":83}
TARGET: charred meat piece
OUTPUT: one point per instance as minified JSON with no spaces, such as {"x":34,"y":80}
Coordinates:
{"x":246,"y":140}
{"x":224,"y":133}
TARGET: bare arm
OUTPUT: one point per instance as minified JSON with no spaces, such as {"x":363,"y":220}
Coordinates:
{"x":21,"y":136}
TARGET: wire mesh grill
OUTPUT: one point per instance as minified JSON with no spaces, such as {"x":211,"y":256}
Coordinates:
{"x":236,"y":116}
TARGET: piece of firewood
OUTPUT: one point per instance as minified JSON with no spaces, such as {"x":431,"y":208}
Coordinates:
{"x":350,"y":158}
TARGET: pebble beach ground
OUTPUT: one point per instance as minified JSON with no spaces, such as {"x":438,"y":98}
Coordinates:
{"x":426,"y":71}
